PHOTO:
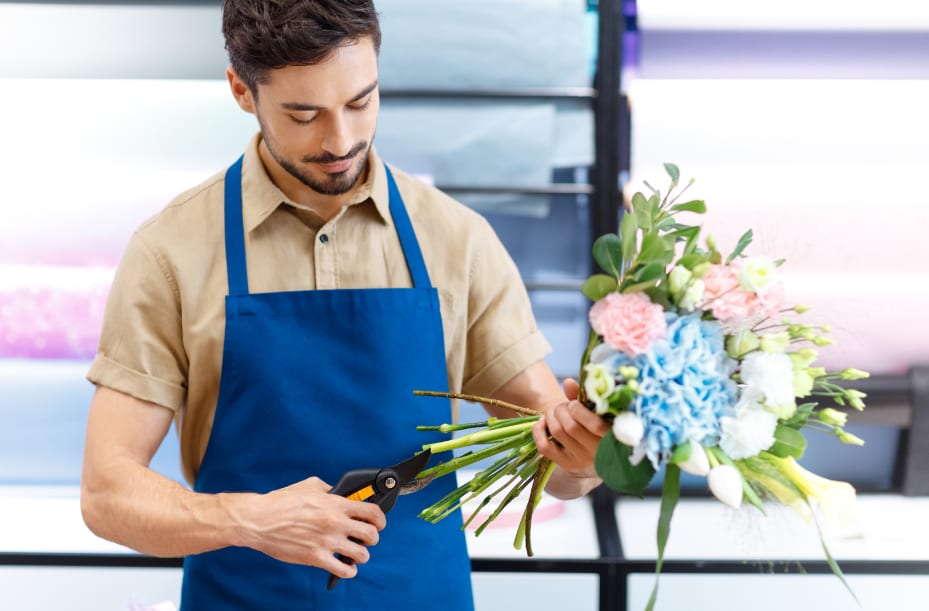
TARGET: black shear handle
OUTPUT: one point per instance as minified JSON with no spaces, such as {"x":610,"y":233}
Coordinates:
{"x":356,"y":481}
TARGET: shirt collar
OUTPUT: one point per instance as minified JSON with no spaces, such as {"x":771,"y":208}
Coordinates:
{"x":262,"y":197}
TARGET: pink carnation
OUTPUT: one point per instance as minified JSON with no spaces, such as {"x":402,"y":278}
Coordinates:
{"x":629,"y":323}
{"x":723,"y":295}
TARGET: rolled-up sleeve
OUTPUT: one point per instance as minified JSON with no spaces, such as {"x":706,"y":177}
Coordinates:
{"x":141,"y":351}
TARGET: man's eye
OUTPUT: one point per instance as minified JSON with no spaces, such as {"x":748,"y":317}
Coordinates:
{"x":361,"y":106}
{"x":301,"y":121}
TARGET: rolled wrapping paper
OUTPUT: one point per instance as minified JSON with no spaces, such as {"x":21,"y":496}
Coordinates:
{"x":52,"y":312}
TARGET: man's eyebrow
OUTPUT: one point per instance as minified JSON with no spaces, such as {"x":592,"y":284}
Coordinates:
{"x":312,"y":107}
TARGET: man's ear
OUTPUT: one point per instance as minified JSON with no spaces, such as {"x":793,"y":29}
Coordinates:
{"x":240,"y":91}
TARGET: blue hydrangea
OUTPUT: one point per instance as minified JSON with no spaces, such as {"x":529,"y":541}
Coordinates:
{"x":686,"y":385}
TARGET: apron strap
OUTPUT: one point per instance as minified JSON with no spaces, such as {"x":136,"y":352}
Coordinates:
{"x":235,"y":233}
{"x":414,"y":257}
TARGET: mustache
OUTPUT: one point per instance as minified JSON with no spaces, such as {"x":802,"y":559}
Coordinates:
{"x":330,"y":158}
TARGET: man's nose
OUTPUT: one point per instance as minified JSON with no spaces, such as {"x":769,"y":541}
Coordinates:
{"x":338,"y":140}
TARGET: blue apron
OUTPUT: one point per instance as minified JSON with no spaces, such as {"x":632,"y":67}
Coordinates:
{"x":318,"y":383}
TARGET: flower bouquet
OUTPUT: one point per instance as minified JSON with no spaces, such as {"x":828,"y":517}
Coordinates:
{"x":698,"y":364}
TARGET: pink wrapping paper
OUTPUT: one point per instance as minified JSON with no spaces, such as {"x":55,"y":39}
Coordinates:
{"x":51,"y":312}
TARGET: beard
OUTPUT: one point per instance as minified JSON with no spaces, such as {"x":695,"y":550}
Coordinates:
{"x":333,"y":184}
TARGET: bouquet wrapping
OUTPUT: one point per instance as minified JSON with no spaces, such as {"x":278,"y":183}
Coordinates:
{"x":698,"y":364}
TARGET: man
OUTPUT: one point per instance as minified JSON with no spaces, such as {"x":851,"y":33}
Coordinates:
{"x":283,"y":311}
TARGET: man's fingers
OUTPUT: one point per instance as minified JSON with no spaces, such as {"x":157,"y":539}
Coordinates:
{"x":571,"y":388}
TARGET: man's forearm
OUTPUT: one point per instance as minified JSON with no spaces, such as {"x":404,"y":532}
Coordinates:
{"x":143,"y":510}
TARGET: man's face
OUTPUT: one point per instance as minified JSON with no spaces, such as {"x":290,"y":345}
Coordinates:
{"x":318,"y":122}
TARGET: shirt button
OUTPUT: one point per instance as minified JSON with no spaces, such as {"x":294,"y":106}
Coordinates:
{"x":323,"y":238}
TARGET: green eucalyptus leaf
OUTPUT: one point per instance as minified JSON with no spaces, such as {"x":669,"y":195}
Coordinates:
{"x":641,"y":210}
{"x":652,"y":271}
{"x":637,"y":287}
{"x":788,"y":441}
{"x":627,"y":229}
{"x":608,"y":253}
{"x":673,"y":172}
{"x":613,"y":466}
{"x":692,"y":260}
{"x":656,"y":249}
{"x":599,"y":286}
{"x":697,"y":206}
{"x":744,"y":241}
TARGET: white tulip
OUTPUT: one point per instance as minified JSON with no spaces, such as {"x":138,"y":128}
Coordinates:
{"x":726,"y":485}
{"x":697,"y":463}
{"x":628,"y":428}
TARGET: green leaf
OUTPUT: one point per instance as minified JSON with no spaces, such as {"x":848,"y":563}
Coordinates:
{"x":641,"y":211}
{"x":627,"y":229}
{"x":691,"y":260}
{"x":673,"y":172}
{"x":744,"y":241}
{"x":651,"y":271}
{"x":788,"y":441}
{"x":613,"y":466}
{"x":656,"y":249}
{"x":670,"y":493}
{"x":629,"y":287}
{"x":836,"y":570}
{"x":696,"y":205}
{"x":608,"y":252}
{"x":599,"y":286}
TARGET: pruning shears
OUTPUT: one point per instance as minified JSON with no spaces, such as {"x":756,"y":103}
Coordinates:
{"x":381,"y":487}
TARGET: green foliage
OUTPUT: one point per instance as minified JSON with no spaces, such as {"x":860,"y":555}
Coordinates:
{"x":612,"y":464}
{"x":788,"y":441}
{"x":650,"y":236}
{"x":608,"y":254}
{"x":599,"y":286}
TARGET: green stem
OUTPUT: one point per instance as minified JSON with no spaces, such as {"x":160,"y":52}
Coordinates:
{"x":472,"y":457}
{"x":485,"y":436}
{"x":525,"y":478}
{"x":542,"y":475}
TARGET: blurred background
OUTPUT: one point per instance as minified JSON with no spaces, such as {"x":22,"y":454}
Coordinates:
{"x":803,"y":120}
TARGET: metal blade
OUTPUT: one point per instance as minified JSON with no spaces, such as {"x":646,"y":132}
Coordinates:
{"x":410,"y":468}
{"x":417,"y":484}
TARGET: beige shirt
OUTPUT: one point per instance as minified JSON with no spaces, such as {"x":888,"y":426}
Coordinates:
{"x":162,"y":338}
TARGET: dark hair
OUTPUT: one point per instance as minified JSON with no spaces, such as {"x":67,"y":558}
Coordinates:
{"x":262,"y":35}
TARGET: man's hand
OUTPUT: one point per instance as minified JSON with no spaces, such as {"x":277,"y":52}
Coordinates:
{"x":304,"y":524}
{"x":575,"y":431}
{"x":568,"y":433}
{"x":124,"y":501}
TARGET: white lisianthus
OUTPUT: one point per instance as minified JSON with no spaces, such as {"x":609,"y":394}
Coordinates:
{"x":697,"y":463}
{"x":756,"y":274}
{"x":678,"y":279}
{"x":692,"y":296}
{"x":628,"y":428}
{"x":726,"y":485}
{"x":750,"y":431}
{"x":599,"y":385}
{"x":741,"y":343}
{"x":773,"y":375}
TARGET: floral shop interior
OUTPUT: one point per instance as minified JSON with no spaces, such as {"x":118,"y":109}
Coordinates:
{"x":803,"y":120}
